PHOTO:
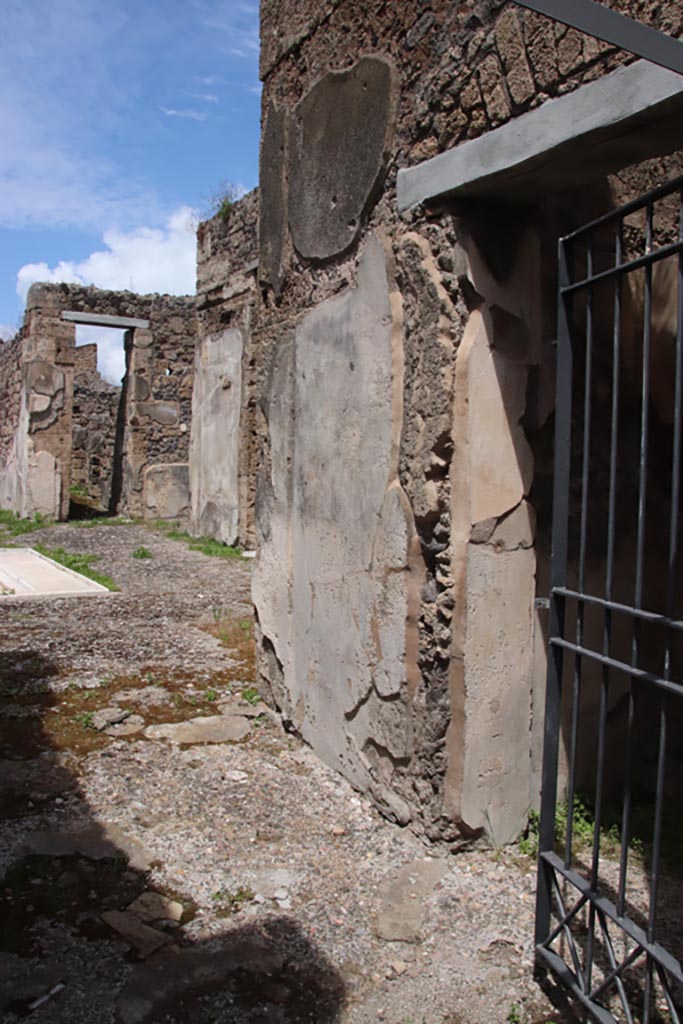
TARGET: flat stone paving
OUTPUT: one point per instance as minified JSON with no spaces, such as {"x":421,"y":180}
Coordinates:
{"x":26,"y":573}
{"x":168,"y":853}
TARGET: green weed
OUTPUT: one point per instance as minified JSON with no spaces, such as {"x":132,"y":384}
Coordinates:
{"x":85,"y":718}
{"x":206,"y":545}
{"x":78,"y":562}
{"x":251,"y":695}
{"x":142,"y":552}
{"x":16,"y":526}
{"x":231,"y":902}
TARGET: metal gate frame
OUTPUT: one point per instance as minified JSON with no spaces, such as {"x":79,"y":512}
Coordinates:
{"x":565,"y":895}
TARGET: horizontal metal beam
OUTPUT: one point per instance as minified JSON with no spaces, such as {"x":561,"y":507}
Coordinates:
{"x":612,"y":27}
{"x":124,"y":323}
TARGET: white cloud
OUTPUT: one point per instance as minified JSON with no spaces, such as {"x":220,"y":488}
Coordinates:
{"x":111,"y":356}
{"x":193,"y":115}
{"x":7,"y":331}
{"x":143,"y":260}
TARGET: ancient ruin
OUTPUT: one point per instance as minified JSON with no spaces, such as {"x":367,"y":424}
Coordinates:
{"x":369,"y":366}
{"x":63,"y":428}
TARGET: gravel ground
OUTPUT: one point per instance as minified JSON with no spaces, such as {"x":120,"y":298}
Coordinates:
{"x":296,"y":900}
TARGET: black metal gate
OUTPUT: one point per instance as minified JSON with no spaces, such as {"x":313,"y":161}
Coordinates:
{"x":608,"y":922}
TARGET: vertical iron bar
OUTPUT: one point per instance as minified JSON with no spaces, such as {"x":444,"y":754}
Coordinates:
{"x":611,"y":543}
{"x":585,"y":499}
{"x":553,"y":702}
{"x":642,"y":507}
{"x":676,"y":454}
{"x":659,"y":807}
{"x":583,"y":532}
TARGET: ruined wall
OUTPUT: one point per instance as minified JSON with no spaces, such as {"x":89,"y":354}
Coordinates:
{"x":10,"y":410}
{"x":227,"y":372}
{"x":95,"y":413}
{"x":151,"y":474}
{"x":408,"y":357}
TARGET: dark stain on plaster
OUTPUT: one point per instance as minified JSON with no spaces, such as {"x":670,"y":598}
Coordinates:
{"x":339,"y":139}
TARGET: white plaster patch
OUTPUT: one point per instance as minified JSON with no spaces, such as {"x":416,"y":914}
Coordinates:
{"x":330,"y":583}
{"x":26,"y":573}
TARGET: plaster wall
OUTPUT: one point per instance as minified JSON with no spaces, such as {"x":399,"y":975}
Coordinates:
{"x":40,"y":434}
{"x":442,"y":729}
{"x":230,"y":373}
{"x":214,"y":445}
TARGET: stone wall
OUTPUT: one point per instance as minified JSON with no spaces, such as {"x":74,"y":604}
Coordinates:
{"x":10,"y":412}
{"x":153,"y":424}
{"x":227,"y":372}
{"x":95,"y":415}
{"x":409,"y":368}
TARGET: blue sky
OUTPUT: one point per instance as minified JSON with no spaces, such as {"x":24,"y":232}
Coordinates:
{"x":118,"y":120}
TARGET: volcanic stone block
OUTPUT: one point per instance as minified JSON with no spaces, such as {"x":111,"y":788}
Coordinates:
{"x":214,"y":445}
{"x":332,"y":579}
{"x":339,"y":140}
{"x":167,"y":491}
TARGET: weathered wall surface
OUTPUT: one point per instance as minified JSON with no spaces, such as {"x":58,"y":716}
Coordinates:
{"x":10,"y":410}
{"x":423,"y":693}
{"x":228,"y":372}
{"x":152,"y":429}
{"x":95,"y":413}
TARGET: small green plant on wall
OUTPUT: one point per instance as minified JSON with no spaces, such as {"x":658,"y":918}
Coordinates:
{"x":221,"y":201}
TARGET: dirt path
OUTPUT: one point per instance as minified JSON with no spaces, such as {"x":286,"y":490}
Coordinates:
{"x":140,"y":770}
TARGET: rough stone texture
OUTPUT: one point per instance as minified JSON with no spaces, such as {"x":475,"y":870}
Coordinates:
{"x":167,"y":491}
{"x":337,"y":565}
{"x":64,"y":408}
{"x":227,"y":300}
{"x":402,"y":914}
{"x":607,"y":124}
{"x":215,"y":440}
{"x":95,"y":411}
{"x":339,"y":139}
{"x":221,"y":729}
{"x":272,"y":195}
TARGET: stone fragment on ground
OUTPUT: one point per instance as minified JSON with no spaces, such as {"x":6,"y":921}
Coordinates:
{"x":243,"y":708}
{"x":97,"y":842}
{"x":154,"y":906}
{"x":143,"y":939}
{"x":106,"y":717}
{"x":216,"y":729}
{"x":401,"y":915}
{"x":132,"y":725}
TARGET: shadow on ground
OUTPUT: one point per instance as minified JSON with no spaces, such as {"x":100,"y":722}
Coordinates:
{"x":86,"y":935}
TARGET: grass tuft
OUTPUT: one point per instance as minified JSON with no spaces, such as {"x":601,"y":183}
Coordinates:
{"x":16,"y":526}
{"x":78,"y":562}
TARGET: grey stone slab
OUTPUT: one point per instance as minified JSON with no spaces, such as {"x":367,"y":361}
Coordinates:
{"x":154,"y":906}
{"x":102,"y":320}
{"x":628,"y":115}
{"x":106,"y":717}
{"x":215,"y":436}
{"x":330,"y":584}
{"x":214,"y":729}
{"x":143,"y":939}
{"x":339,"y":140}
{"x":97,"y":842}
{"x":272,"y":195}
{"x":401,"y":916}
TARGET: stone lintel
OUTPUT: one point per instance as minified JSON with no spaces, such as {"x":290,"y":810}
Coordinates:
{"x":628,"y":115}
{"x":102,"y":320}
